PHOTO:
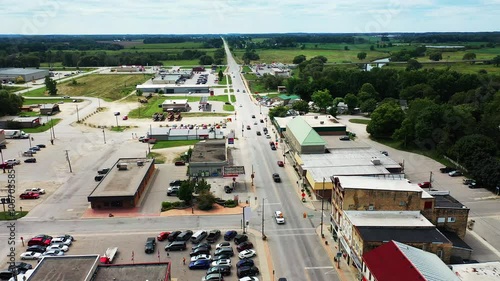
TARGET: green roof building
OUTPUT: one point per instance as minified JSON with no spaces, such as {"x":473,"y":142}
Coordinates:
{"x":302,"y":138}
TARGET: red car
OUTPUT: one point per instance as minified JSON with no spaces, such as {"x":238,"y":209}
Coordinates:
{"x":425,"y":184}
{"x":162,"y":236}
{"x":180,"y":163}
{"x":5,"y":165}
{"x":29,"y":195}
{"x":244,"y":246}
{"x":39,"y":241}
{"x":281,"y":164}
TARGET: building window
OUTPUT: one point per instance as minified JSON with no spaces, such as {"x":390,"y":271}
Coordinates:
{"x":402,"y":203}
{"x":451,"y":219}
{"x":371,"y":208}
{"x":428,"y":205}
{"x":440,"y":254}
{"x":441,"y":220}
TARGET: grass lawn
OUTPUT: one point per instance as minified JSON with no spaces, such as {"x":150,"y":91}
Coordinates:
{"x":42,"y":101}
{"x":118,"y":129}
{"x":12,"y":89}
{"x":159,"y":158}
{"x":233,"y":98}
{"x":256,"y":86}
{"x":29,"y":114}
{"x":43,"y":128}
{"x":176,"y":143}
{"x":181,"y":62}
{"x":359,"y":121}
{"x":205,"y":114}
{"x":225,"y":80}
{"x":250,"y":76}
{"x":228,"y":107}
{"x":17,"y":215}
{"x":37,"y":93}
{"x":247,"y":69}
{"x":163,"y":46}
{"x":461,"y":67}
{"x":108,"y":87}
{"x":230,"y":90}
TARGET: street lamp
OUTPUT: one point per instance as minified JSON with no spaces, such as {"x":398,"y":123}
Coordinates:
{"x":263,"y":235}
{"x":104,"y":134}
{"x":77,"y":114}
{"x":322,"y":204}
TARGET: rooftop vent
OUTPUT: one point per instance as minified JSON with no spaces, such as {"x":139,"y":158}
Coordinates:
{"x":315,"y":117}
{"x":122,"y":166}
{"x":322,"y":122}
{"x":375,"y":161}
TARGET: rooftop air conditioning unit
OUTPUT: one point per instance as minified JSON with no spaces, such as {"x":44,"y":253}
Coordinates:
{"x":140,"y":163}
{"x":322,"y":122}
{"x":375,"y":161}
{"x":122,"y":166}
{"x":315,"y":117}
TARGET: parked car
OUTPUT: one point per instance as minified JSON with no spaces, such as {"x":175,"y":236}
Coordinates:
{"x":245,"y":262}
{"x":29,"y":195}
{"x":252,"y":278}
{"x":202,"y":257}
{"x":228,"y":189}
{"x":103,"y":171}
{"x":98,"y":177}
{"x":36,"y":248}
{"x":213,"y":277}
{"x":247,"y":271}
{"x":172,"y":190}
{"x":13,"y":161}
{"x":199,"y":251}
{"x":30,"y":160}
{"x":66,"y":236}
{"x":222,"y":269}
{"x":30,"y":256}
{"x":162,"y":236}
{"x":244,"y":246}
{"x":22,"y":267}
{"x":467,"y":181}
{"x":6,"y":274}
{"x":446,"y":169}
{"x":176,"y":246}
{"x":171,"y":237}
{"x":41,"y":145}
{"x":230,"y":234}
{"x":224,"y":251}
{"x":180,"y":163}
{"x":60,"y":247}
{"x":202,"y":245}
{"x":221,"y":262}
{"x":344,"y":138}
{"x":36,"y":190}
{"x":246,"y":254}
{"x":27,"y":154}
{"x":176,"y":183}
{"x":199,"y":264}
{"x":5,"y":165}
{"x":53,"y":253}
{"x":61,"y":240}
{"x":384,"y":153}
{"x":276,"y":177}
{"x":222,"y":244}
{"x":221,"y":257}
{"x":425,"y":184}
{"x":214,"y":234}
{"x":240,"y":238}
{"x":35,"y":148}
{"x":150,"y":246}
{"x":455,"y":173}
{"x":473,"y":185}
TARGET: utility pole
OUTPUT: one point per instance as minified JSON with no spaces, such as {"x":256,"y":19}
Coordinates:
{"x":77,"y":114}
{"x":263,"y":235}
{"x":69,"y":162}
{"x":244,"y":222}
{"x":322,"y":203}
{"x":430,"y":181}
{"x":104,"y":135}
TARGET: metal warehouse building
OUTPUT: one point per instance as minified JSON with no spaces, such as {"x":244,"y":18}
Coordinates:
{"x":28,"y":74}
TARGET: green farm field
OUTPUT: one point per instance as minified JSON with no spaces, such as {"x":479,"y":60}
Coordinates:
{"x":462,"y":67}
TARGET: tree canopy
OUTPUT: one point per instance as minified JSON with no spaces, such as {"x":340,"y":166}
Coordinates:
{"x":10,"y":104}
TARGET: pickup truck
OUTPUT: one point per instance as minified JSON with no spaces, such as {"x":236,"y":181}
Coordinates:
{"x":213,"y":236}
{"x":109,"y":255}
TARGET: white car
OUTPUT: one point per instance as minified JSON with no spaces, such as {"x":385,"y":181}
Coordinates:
{"x":36,"y":189}
{"x":268,"y":136}
{"x":53,"y":253}
{"x":248,"y":278}
{"x":278,"y":215}
{"x":30,"y":256}
{"x":202,"y":257}
{"x":222,"y":262}
{"x":61,"y":240}
{"x":61,"y":247}
{"x":246,"y":254}
{"x":223,"y":244}
{"x":13,"y":161}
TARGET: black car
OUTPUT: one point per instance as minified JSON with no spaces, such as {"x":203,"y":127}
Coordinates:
{"x":202,"y":245}
{"x":240,"y":238}
{"x":245,"y":262}
{"x":103,"y":171}
{"x":199,"y":251}
{"x":98,"y":177}
{"x":344,"y":138}
{"x":446,"y":169}
{"x":41,"y":145}
{"x":221,"y":257}
{"x":6,"y":274}
{"x":184,"y":236}
{"x":247,"y":271}
{"x":228,"y":189}
{"x":150,"y":245}
{"x":171,"y":237}
{"x":36,"y":249}
{"x":222,"y":269}
{"x":176,"y":246}
{"x":22,"y":267}
{"x":229,"y":235}
{"x":213,"y":235}
{"x":276,"y":177}
{"x":30,"y":160}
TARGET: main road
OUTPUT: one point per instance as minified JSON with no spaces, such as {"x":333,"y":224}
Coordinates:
{"x":297,"y":252}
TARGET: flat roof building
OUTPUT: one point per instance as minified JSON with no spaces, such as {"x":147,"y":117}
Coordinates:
{"x":485,"y":271}
{"x":124,"y":184}
{"x":323,"y":124}
{"x":49,"y":109}
{"x":28,"y":74}
{"x":175,"y":105}
{"x":302,"y":138}
{"x":208,"y":158}
{"x":173,"y":88}
{"x":170,"y":133}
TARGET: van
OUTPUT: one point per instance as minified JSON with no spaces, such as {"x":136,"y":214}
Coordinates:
{"x":184,"y":236}
{"x":198,"y":236}
{"x":176,"y":246}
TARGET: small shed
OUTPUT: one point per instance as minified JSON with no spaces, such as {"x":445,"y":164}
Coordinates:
{"x":27,"y":122}
{"x":49,"y":108}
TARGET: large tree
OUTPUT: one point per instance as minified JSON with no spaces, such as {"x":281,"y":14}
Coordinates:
{"x":385,"y":120}
{"x":51,"y":85}
{"x":299,"y":59}
{"x":186,"y":191}
{"x":470,"y":57}
{"x":10,"y":104}
{"x":301,"y":106}
{"x":278,"y":111}
{"x":322,"y":99}
{"x":361,"y":55}
{"x":206,"y":60}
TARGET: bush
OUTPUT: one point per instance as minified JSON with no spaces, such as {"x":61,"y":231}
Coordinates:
{"x":230,"y":203}
{"x":206,"y":200}
{"x":165,"y":206}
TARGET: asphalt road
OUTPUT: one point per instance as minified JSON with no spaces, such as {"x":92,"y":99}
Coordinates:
{"x":296,"y":249}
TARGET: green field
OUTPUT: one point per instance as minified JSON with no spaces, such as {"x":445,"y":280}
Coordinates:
{"x":359,"y":121}
{"x":40,"y":92}
{"x":108,"y":87}
{"x":228,"y":107}
{"x":175,"y":143}
{"x":163,"y":46}
{"x":226,"y":79}
{"x":42,"y":101}
{"x":12,"y":89}
{"x":246,"y":69}
{"x":181,"y":62}
{"x":461,"y":67}
{"x":43,"y":128}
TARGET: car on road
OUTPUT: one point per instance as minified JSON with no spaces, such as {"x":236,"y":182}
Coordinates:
{"x":66,"y":97}
{"x":13,"y":161}
{"x":162,"y":236}
{"x":258,"y":133}
{"x":35,"y":148}
{"x":246,"y":254}
{"x":202,"y":257}
{"x":221,"y":262}
{"x":268,"y":136}
{"x":60,"y":247}
{"x":456,"y":173}
{"x":238,"y":90}
{"x":247,"y":271}
{"x":199,"y":264}
{"x":278,"y":216}
{"x":446,"y":169}
{"x":281,"y":164}
{"x":253,"y":116}
{"x":245,"y":262}
{"x":176,"y":246}
{"x":36,"y":248}
{"x":41,"y":145}
{"x":261,"y":121}
{"x":344,"y":138}
{"x":180,"y":163}
{"x":248,"y":127}
{"x":98,"y":177}
{"x":172,"y":190}
{"x":425,"y":184}
{"x":230,"y":234}
{"x":53,"y":253}
{"x":222,"y":269}
{"x":244,"y":246}
{"x":30,"y":160}
{"x":222,"y":244}
{"x":30,"y":256}
{"x":276,"y":177}
{"x":36,"y":189}
{"x":125,"y":117}
{"x":150,"y":246}
{"x":29,"y":195}
{"x":103,"y":171}
{"x":384,"y":153}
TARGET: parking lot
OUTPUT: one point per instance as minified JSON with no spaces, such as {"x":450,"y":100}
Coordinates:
{"x":130,"y":244}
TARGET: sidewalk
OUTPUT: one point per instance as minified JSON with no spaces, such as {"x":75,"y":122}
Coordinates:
{"x":344,"y":271}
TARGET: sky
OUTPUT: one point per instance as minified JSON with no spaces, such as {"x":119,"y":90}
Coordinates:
{"x":246,"y":16}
